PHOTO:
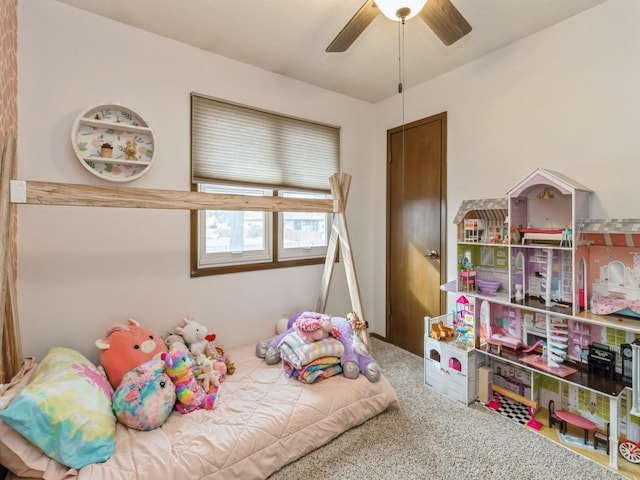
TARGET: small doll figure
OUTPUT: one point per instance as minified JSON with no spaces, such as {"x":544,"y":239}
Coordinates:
{"x":131,"y":150}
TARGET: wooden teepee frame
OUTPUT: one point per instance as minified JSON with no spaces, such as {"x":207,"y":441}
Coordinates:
{"x":10,"y":344}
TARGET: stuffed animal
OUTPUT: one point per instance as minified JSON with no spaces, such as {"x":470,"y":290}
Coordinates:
{"x":356,"y":359}
{"x":218,"y":353}
{"x":145,"y":397}
{"x":312,"y":326}
{"x":197,"y":339}
{"x":190,"y":395}
{"x":174,"y":339}
{"x":210,"y":373}
{"x":125,"y":347}
{"x":319,"y":324}
{"x":194,"y":335}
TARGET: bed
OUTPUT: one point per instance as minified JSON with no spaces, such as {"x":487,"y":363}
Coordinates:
{"x":558,"y":236}
{"x":615,"y":300}
{"x":262,"y":421}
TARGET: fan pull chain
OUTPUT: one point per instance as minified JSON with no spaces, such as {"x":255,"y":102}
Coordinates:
{"x":402,"y":60}
{"x":400,"y":56}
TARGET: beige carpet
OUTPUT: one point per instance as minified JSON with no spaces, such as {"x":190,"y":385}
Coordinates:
{"x":432,"y":437}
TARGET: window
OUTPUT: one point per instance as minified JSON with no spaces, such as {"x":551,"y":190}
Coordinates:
{"x":303,"y":234}
{"x":240,"y":150}
{"x":233,"y":237}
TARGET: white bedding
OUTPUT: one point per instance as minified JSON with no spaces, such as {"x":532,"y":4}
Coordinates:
{"x":262,"y":421}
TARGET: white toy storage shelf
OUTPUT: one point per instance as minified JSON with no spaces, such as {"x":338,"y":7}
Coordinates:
{"x":449,"y":367}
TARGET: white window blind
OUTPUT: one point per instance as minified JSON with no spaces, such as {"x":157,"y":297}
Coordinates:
{"x":233,"y":143}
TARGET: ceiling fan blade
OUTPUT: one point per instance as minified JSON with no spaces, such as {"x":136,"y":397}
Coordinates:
{"x":354,"y":27}
{"x":445,"y":20}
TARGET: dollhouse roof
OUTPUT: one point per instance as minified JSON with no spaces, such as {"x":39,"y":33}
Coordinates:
{"x":490,"y":209}
{"x":540,"y":176}
{"x":611,"y":232}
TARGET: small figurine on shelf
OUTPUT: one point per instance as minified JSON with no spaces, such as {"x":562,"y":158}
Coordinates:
{"x":131,"y":150}
{"x":106,"y":150}
{"x":462,"y":309}
{"x":466,"y":263}
{"x":440,"y":331}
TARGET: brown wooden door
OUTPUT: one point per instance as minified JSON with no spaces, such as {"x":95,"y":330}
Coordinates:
{"x":416,"y":221}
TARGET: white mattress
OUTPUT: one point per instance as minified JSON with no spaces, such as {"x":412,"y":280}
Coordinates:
{"x":262,"y":421}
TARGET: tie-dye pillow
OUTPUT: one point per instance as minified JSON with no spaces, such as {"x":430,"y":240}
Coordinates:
{"x":65,"y":410}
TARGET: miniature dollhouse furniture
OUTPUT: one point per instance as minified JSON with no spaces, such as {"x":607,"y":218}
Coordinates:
{"x":553,"y":418}
{"x":467,"y":280}
{"x":601,"y":357}
{"x":532,"y":405}
{"x":601,"y":438}
{"x":571,"y":418}
{"x":626,"y":352}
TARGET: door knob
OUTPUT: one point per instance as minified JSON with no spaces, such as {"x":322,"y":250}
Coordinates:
{"x":431,"y":254}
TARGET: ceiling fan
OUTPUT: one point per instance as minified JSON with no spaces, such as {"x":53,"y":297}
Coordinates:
{"x":440,"y":15}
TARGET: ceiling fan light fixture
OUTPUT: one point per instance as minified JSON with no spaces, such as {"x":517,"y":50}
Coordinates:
{"x":400,"y":9}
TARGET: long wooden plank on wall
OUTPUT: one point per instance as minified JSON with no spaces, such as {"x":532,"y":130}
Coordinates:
{"x":51,"y":193}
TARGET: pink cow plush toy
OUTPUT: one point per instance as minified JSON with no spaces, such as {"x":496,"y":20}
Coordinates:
{"x":125,"y":347}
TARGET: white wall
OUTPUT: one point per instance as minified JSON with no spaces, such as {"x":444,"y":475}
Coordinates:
{"x":83,"y":269}
{"x":566,"y":99}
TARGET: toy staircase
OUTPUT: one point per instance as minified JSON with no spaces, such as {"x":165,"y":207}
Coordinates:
{"x":557,"y":341}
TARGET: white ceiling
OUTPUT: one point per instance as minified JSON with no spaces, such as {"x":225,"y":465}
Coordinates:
{"x":289,"y":37}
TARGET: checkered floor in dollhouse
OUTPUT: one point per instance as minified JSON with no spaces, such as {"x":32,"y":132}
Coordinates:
{"x":513,"y":410}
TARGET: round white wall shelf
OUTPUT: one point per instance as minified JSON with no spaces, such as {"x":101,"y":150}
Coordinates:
{"x":130,"y":136}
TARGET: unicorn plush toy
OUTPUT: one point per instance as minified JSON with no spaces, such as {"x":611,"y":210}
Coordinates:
{"x":189,"y":393}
